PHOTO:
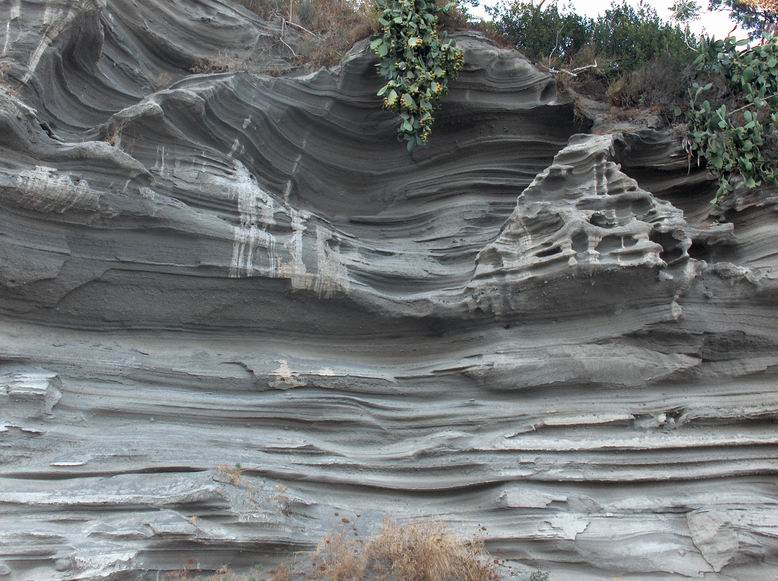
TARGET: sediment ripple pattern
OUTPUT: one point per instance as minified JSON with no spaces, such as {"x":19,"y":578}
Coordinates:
{"x":234,"y":313}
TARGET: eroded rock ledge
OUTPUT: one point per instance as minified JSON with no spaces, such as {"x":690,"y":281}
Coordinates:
{"x":529,"y":330}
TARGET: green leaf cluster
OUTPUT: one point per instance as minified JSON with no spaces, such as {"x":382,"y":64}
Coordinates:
{"x":542,"y":31}
{"x":623,"y":39}
{"x":417,"y":60}
{"x":733,"y":119}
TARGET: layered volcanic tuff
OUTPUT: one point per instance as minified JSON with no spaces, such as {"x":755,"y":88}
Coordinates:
{"x":234,"y":312}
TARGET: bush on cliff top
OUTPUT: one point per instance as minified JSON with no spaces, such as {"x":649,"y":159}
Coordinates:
{"x":622,"y":39}
{"x":629,"y":54}
{"x":732,"y":108}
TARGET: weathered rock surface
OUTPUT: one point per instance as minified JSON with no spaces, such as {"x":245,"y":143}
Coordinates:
{"x":531,"y":330}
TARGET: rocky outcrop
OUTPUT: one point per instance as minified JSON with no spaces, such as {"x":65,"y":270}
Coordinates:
{"x":235,"y":314}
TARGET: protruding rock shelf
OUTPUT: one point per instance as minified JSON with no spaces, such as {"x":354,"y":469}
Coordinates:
{"x":532,"y":330}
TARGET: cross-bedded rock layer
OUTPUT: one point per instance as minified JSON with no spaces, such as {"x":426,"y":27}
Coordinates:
{"x":530,"y":331}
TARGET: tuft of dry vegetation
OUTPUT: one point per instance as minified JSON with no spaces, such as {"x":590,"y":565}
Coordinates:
{"x":340,"y":558}
{"x":457,"y":19}
{"x":224,"y":573}
{"x":231,"y":474}
{"x":280,"y":573}
{"x":317,"y":33}
{"x":327,"y":28}
{"x":658,"y":84}
{"x":425,"y":551}
{"x":415,"y":552}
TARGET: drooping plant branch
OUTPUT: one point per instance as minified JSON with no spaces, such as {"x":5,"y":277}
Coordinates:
{"x":417,"y":60}
{"x":733,"y":120}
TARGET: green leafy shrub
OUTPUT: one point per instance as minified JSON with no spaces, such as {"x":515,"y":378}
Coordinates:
{"x":628,"y":54}
{"x":542,"y":32}
{"x":627,"y":38}
{"x":733,"y":118}
{"x":622,"y":39}
{"x":459,"y":15}
{"x":417,"y":61}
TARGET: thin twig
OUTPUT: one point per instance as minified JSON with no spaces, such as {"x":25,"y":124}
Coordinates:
{"x":750,"y":104}
{"x":688,"y":149}
{"x":574,"y":72}
{"x":686,"y":35}
{"x":289,"y":47}
{"x":281,"y":38}
{"x":302,"y":28}
{"x":556,"y":46}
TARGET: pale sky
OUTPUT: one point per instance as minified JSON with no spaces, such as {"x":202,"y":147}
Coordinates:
{"x":715,"y":24}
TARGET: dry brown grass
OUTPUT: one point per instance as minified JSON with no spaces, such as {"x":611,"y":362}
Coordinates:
{"x":279,"y":573}
{"x":266,"y":8}
{"x":323,"y":31}
{"x":333,"y":25}
{"x":339,"y":24}
{"x":659,"y":83}
{"x":456,"y":20}
{"x":415,"y":552}
{"x":231,"y":474}
{"x":340,"y":558}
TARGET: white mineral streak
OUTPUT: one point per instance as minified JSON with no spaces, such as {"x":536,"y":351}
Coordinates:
{"x":44,"y":189}
{"x":11,"y":18}
{"x":253,"y":203}
{"x":295,"y":269}
{"x":332,"y":275}
{"x":281,"y":255}
{"x":55,"y":21}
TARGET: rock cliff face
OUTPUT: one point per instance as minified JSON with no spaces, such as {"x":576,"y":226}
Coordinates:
{"x":233,"y":312}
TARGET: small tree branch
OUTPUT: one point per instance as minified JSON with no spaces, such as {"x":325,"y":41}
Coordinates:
{"x":294,"y":54}
{"x":575,"y":71}
{"x":301,"y":28}
{"x":556,"y":46}
{"x":746,"y":106}
{"x":281,"y":38}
